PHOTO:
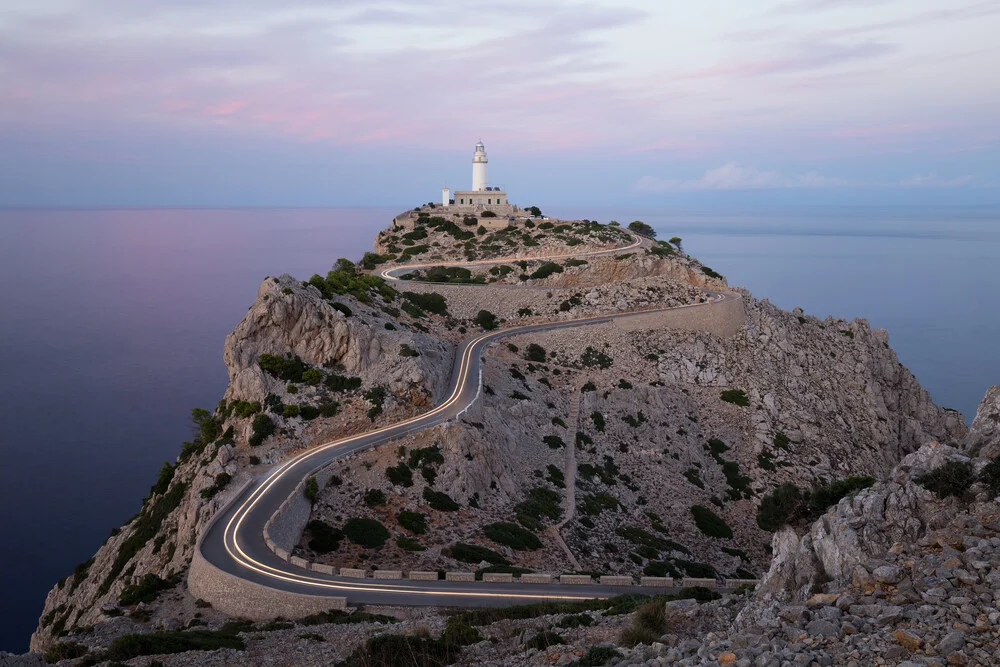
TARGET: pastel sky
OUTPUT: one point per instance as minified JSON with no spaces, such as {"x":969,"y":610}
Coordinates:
{"x":347,"y":102}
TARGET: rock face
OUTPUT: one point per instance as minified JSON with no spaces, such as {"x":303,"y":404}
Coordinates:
{"x":288,"y":317}
{"x":984,"y":437}
{"x":621,"y":430}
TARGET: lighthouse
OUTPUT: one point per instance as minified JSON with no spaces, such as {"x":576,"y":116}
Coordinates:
{"x":482,"y":197}
{"x":479,"y":167}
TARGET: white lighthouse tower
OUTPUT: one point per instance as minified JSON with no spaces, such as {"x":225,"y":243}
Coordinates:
{"x":481,"y":197}
{"x":479,"y":167}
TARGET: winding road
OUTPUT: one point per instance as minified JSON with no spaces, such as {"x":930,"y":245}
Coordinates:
{"x":234,"y":542}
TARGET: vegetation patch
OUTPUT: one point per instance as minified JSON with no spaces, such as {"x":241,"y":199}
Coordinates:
{"x":145,"y":590}
{"x":409,"y":544}
{"x":432,"y":302}
{"x":262,"y":428}
{"x":541,"y":502}
{"x":736,"y":397}
{"x":415,"y":522}
{"x":439,"y":500}
{"x":127,"y":647}
{"x":368,"y":533}
{"x":950,"y":479}
{"x":512,"y":535}
{"x":486,"y":320}
{"x":553,"y":441}
{"x":474,"y":553}
{"x":710,"y":523}
{"x":324,"y":537}
{"x":592,"y":357}
{"x":400,"y":475}
{"x":694,"y":476}
{"x":789,"y":504}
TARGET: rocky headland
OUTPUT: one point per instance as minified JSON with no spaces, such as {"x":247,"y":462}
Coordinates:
{"x":744,"y":441}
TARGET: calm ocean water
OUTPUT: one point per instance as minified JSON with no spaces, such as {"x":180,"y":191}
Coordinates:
{"x":113,"y":322}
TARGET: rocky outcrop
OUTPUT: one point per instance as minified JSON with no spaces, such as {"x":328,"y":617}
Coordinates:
{"x":984,"y":436}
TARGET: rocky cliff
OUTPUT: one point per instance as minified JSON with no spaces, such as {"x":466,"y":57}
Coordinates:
{"x":621,"y":448}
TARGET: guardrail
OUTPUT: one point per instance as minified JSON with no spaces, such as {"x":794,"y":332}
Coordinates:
{"x":608,"y":580}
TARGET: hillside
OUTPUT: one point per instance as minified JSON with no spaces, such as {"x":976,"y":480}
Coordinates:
{"x":631,"y":447}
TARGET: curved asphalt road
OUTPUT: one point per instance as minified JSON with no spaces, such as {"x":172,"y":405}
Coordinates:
{"x":235,"y":543}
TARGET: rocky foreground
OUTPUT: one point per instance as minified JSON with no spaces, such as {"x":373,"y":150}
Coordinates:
{"x":633,"y":450}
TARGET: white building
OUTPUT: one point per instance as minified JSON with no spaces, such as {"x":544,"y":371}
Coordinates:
{"x":482,"y":197}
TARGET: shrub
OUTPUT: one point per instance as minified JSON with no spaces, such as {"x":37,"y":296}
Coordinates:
{"x":342,"y":308}
{"x":624,"y":384}
{"x":376,"y":396}
{"x":407,"y":351}
{"x":312,"y":376}
{"x":221,"y":481}
{"x":415,"y":522}
{"x":518,"y":396}
{"x":692,"y":475}
{"x":950,"y":479}
{"x":513,"y":536}
{"x":640,"y":227}
{"x":64,"y":651}
{"x":439,"y":500}
{"x":425,"y":455}
{"x":474,"y":553}
{"x":409,"y":544}
{"x":374,"y":498}
{"x":592,"y":357}
{"x":556,"y":476}
{"x":368,"y":533}
{"x":709,"y":523}
{"x":781,"y":506}
{"x":541,"y":502}
{"x":311,"y":489}
{"x":545,"y":270}
{"x":145,"y":590}
{"x":335,"y":382}
{"x":325,"y":538}
{"x":127,"y":647}
{"x":648,"y":625}
{"x":710,"y":273}
{"x":736,"y":397}
{"x":308,"y":412}
{"x":598,"y":420}
{"x":287,"y":368}
{"x":989,"y":476}
{"x":244,"y":409}
{"x":553,"y":441}
{"x":486,"y":320}
{"x":535,"y":352}
{"x":400,"y":475}
{"x":789,"y":504}
{"x":163,"y":479}
{"x":431,"y":302}
{"x":544,"y":639}
{"x":290,"y":410}
{"x":598,"y":656}
{"x":588,"y":386}
{"x":370,"y":260}
{"x":263,"y":427}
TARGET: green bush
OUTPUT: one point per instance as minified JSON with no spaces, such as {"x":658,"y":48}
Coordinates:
{"x":335,"y":382}
{"x":343,"y":308}
{"x":512,"y":535}
{"x":370,"y":260}
{"x":648,"y":625}
{"x":989,"y":476}
{"x":439,"y":500}
{"x":736,"y":397}
{"x":64,"y":651}
{"x":127,"y":647}
{"x":263,"y":427}
{"x":244,"y":409}
{"x":598,"y":420}
{"x":325,"y":538}
{"x":374,"y":498}
{"x":409,"y":544}
{"x":553,"y":441}
{"x":345,"y":280}
{"x":950,"y":479}
{"x":407,"y":351}
{"x":311,"y":489}
{"x":308,"y":412}
{"x":368,"y":533}
{"x":788,"y":504}
{"x":692,"y":475}
{"x":145,"y":590}
{"x":592,"y":357}
{"x":486,"y":320}
{"x":598,"y":656}
{"x":710,"y":273}
{"x":291,"y":410}
{"x":640,"y":227}
{"x":709,"y":523}
{"x":431,"y":302}
{"x":287,"y":368}
{"x":425,"y":455}
{"x":546,"y":270}
{"x":535,"y":352}
{"x":543,"y":640}
{"x":541,"y":502}
{"x":415,"y":522}
{"x":400,"y":475}
{"x":402,"y":651}
{"x":221,"y":481}
{"x":474,"y":553}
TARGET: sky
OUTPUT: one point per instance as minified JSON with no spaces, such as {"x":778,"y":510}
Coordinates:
{"x":365,"y":102}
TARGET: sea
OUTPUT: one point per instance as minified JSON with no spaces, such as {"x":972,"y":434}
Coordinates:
{"x":112,"y":324}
